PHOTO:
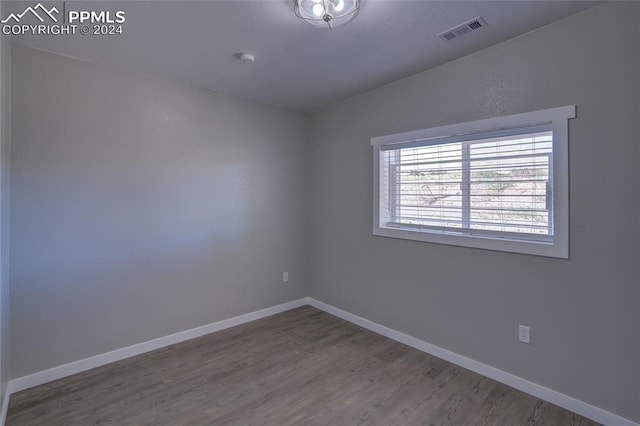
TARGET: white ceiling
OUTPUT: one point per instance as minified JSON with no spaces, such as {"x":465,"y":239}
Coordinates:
{"x":297,"y":66}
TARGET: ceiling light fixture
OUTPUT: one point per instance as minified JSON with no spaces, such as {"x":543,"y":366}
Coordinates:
{"x":326,"y":13}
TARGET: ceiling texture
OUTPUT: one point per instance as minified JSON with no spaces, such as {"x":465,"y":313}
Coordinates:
{"x":297,"y":66}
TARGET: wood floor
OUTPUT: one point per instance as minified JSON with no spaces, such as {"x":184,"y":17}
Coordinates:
{"x":300,"y":367}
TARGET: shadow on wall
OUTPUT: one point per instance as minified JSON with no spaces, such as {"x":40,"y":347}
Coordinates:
{"x":149,"y":215}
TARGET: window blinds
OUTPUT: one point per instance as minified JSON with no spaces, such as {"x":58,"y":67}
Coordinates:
{"x":490,"y":184}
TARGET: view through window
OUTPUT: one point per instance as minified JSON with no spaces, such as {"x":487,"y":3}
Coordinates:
{"x":497,"y":184}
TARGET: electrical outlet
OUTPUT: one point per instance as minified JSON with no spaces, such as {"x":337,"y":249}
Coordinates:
{"x":285,"y":277}
{"x":524,"y":334}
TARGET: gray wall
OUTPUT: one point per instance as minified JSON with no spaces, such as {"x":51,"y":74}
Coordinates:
{"x":142,"y":208}
{"x":584,"y":313}
{"x":5,"y":162}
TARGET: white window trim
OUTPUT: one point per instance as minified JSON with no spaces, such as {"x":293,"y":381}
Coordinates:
{"x":557,"y":118}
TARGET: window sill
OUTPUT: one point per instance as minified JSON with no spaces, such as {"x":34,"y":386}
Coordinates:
{"x":536,"y":248}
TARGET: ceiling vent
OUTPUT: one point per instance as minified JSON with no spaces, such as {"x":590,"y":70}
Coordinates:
{"x":463,"y":28}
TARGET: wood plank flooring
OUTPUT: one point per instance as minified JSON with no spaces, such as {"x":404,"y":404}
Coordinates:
{"x":301,"y":367}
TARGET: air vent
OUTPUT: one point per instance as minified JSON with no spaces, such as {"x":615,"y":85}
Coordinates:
{"x":463,"y":28}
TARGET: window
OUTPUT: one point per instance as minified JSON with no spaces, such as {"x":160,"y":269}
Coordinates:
{"x":499,"y":184}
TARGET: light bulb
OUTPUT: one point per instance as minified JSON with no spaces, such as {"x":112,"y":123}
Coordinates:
{"x":318,"y":10}
{"x":326,"y":13}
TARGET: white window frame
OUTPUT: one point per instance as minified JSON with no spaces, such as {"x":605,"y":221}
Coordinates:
{"x":557,"y":120}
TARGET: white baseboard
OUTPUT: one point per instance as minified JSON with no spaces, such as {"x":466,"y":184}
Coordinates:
{"x":584,"y":409}
{"x":562,"y":400}
{"x":41,"y":377}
